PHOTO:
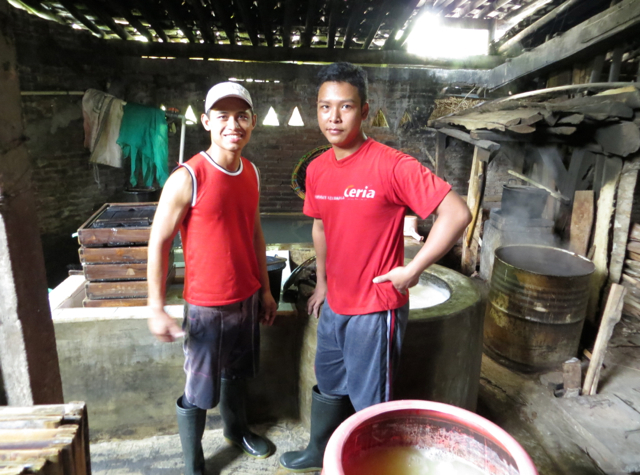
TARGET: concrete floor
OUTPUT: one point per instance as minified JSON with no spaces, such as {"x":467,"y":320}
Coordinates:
{"x":592,"y":435}
{"x":162,"y":455}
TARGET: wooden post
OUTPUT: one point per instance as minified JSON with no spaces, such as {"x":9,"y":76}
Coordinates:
{"x":471,"y":235}
{"x":611,"y":316}
{"x":581,"y":222}
{"x":596,"y":70}
{"x":28,"y":355}
{"x":622,"y":220}
{"x":616,"y":63}
{"x":605,"y":211}
{"x":441,"y":145}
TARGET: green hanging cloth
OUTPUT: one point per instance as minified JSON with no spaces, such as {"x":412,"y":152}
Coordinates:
{"x":143,"y":137}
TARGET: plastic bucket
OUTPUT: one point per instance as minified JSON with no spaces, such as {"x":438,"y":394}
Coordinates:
{"x":425,"y":424}
{"x":274,"y":268}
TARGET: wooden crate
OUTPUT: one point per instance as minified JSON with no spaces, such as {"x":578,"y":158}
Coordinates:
{"x":113,"y":255}
{"x":118,"y":224}
{"x":118,"y":271}
{"x":117,"y":294}
{"x":45,"y":440}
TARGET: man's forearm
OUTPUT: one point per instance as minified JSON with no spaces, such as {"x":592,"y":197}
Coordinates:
{"x":157,"y":266}
{"x":260,"y":249}
{"x":320,"y":245}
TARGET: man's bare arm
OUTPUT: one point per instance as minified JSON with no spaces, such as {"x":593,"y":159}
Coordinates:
{"x":320,"y":293}
{"x":453,"y":216}
{"x":269,"y":305}
{"x":173,"y":205}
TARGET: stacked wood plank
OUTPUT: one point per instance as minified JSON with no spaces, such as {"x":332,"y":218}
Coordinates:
{"x":606,"y":119}
{"x":44,"y":440}
{"x":631,"y":273}
{"x":113,"y":254}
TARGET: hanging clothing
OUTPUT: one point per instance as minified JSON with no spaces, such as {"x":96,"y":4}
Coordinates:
{"x":102,"y":114}
{"x":143,"y":137}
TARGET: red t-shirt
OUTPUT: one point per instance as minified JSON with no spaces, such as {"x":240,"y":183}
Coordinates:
{"x":221,"y":267}
{"x":361,"y":201}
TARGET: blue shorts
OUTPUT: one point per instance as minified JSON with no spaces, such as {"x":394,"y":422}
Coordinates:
{"x":358,"y":355}
{"x":220,"y":342}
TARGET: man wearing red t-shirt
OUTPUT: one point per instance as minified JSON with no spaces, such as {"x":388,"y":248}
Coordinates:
{"x":358,"y":192}
{"x":213,"y":200}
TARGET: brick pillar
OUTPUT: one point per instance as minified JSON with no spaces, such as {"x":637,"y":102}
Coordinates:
{"x":28,"y":355}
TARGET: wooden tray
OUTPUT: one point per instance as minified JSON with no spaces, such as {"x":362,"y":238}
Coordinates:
{"x":101,"y":272}
{"x":132,"y":289}
{"x":113,"y":255}
{"x":118,"y":224}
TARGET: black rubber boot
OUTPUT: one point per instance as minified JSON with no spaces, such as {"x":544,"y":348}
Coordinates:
{"x":191,"y":427}
{"x":327,"y":413}
{"x":234,"y":418}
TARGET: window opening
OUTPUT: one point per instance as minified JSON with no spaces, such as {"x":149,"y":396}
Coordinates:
{"x":271,"y":118}
{"x":296,"y":118}
{"x":380,"y":120}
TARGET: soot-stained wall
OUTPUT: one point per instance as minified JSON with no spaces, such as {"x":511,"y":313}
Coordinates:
{"x":69,"y":190}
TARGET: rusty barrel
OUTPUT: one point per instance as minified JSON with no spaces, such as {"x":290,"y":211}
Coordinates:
{"x":537,"y":306}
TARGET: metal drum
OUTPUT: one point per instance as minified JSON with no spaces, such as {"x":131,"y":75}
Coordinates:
{"x":537,"y":306}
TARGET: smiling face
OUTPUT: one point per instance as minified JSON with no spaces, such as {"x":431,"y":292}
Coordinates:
{"x":340,"y":116}
{"x":230,"y":122}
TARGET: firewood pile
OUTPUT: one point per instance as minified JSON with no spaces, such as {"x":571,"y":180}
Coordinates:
{"x":631,"y":273}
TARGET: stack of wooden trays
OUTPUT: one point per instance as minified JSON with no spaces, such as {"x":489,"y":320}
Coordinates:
{"x":113,"y":253}
{"x":47,"y":440}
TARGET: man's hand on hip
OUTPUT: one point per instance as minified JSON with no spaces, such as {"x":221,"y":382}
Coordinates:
{"x":163,"y":326}
{"x":401,"y":278}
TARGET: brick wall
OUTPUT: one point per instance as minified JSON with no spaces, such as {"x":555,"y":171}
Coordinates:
{"x":52,"y":57}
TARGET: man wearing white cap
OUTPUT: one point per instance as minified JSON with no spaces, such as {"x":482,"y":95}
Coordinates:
{"x":212,"y":199}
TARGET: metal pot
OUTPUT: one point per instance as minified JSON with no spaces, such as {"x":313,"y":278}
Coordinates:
{"x":526,"y":202}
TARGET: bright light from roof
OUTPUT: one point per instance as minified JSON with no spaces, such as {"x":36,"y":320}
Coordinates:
{"x":190,"y":117}
{"x":271,"y":118}
{"x":430,"y":39}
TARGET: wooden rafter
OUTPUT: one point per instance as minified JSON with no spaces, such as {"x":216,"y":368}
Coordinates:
{"x":289,"y":8}
{"x":224,"y":17}
{"x":150,"y":15}
{"x":80,"y":17}
{"x":334,"y":14}
{"x":36,"y":7}
{"x":454,"y":6}
{"x":443,"y":5}
{"x":132,"y":19}
{"x":203,"y":19}
{"x":175,"y":12}
{"x":469,"y":7}
{"x":403,"y":14}
{"x":265,"y":7}
{"x":379,"y":19}
{"x":104,"y":16}
{"x":409,"y":29}
{"x":245,"y":11}
{"x":307,"y":35}
{"x":357,"y":12}
{"x":492,"y":8}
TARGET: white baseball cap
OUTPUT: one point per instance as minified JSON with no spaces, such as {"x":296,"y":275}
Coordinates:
{"x":226,"y":89}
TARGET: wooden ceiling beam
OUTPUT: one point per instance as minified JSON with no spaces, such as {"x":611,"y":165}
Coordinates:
{"x":80,"y":17}
{"x":316,"y":55}
{"x":334,"y":15}
{"x":245,"y":11}
{"x":404,"y":13}
{"x":223,"y":15}
{"x":530,"y":8}
{"x":492,"y":8}
{"x":203,"y":19}
{"x":443,"y":5}
{"x":454,"y":6}
{"x":132,"y":19}
{"x":265,"y":7}
{"x":377,"y":23}
{"x":602,"y":32}
{"x":307,"y":35}
{"x":354,"y":20}
{"x":471,"y":6}
{"x":97,"y":9}
{"x":149,"y":14}
{"x":504,"y":46}
{"x":37,"y":8}
{"x":178,"y":18}
{"x":287,"y":21}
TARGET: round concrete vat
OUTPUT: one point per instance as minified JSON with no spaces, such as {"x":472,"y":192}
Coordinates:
{"x":442,"y":349}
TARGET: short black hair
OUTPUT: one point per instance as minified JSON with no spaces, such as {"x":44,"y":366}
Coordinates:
{"x":345,"y":72}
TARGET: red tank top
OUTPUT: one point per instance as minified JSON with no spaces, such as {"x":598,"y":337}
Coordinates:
{"x":217,"y":233}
